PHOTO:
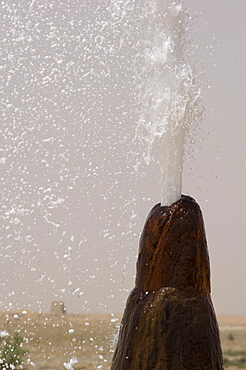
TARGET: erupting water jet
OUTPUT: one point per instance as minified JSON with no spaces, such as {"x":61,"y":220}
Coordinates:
{"x":169,"y":320}
{"x":169,"y":92}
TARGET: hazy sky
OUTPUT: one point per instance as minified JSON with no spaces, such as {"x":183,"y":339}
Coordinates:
{"x":72,"y":204}
{"x":221,"y":161}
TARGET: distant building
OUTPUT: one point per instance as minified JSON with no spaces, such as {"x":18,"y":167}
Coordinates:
{"x":58,"y":308}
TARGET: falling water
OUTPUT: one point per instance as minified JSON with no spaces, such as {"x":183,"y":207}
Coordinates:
{"x":77,"y":80}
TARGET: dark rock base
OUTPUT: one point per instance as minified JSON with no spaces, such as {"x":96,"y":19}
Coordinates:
{"x":169,"y":321}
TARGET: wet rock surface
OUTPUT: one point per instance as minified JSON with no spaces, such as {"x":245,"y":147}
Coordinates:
{"x":169,"y":321}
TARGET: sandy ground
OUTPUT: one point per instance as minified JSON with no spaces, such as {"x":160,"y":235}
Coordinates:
{"x":52,"y":340}
{"x":233,"y":340}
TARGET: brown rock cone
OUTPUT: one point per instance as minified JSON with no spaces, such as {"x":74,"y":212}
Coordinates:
{"x":169,"y":321}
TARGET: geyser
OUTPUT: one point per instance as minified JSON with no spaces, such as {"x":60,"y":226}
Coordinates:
{"x":169,"y":320}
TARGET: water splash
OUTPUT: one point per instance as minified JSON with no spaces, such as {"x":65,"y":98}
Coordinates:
{"x":75,"y":77}
{"x":168,"y":90}
{"x":71,"y":362}
{"x":66,"y":156}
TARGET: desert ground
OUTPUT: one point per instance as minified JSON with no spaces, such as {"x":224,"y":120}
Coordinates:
{"x":54,"y":339}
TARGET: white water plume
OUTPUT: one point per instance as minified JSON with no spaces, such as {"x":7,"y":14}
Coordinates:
{"x":169,"y":92}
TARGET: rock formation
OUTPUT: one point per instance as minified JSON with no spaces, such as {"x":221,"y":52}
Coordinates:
{"x":169,"y":321}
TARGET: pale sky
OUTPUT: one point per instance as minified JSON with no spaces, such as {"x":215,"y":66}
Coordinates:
{"x":72,"y":205}
{"x":221,"y":161}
